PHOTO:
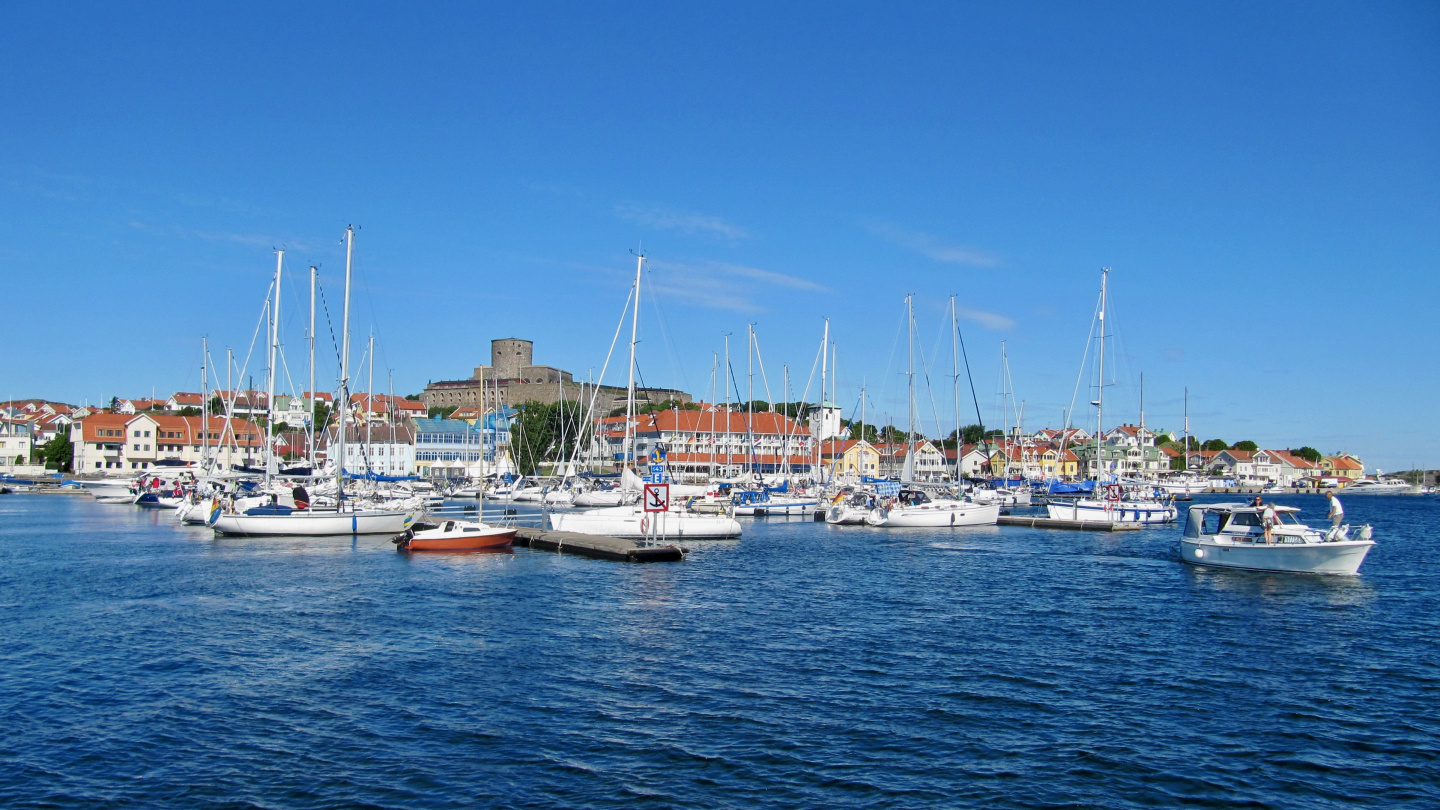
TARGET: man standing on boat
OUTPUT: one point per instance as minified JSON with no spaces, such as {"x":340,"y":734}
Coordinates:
{"x":1337,"y":512}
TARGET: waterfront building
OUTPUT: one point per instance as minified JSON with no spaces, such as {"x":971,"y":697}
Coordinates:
{"x":453,"y":449}
{"x":930,"y":463}
{"x":712,"y":442}
{"x":1343,"y":467}
{"x":16,"y":442}
{"x":377,"y":449}
{"x":850,"y":457}
{"x":125,"y":442}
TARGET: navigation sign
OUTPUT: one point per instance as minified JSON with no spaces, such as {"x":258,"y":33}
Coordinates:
{"x":657,"y":497}
{"x":1113,"y":492}
{"x":657,"y":470}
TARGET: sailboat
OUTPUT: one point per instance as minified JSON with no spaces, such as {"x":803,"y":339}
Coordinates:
{"x":631,"y":520}
{"x":279,"y":520}
{"x":1119,"y":503}
{"x":914,"y":507}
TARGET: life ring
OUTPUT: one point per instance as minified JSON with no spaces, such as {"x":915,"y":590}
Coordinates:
{"x":645,"y":524}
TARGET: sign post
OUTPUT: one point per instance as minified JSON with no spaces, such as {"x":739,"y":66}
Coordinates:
{"x":656,"y":501}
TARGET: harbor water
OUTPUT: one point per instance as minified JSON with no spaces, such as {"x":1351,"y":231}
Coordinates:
{"x":804,"y":665}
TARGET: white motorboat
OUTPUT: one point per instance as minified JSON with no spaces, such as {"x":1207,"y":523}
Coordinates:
{"x":1184,"y":484}
{"x":631,"y":521}
{"x":759,"y":503}
{"x":110,"y":490}
{"x":1377,"y":486}
{"x":605,"y":497}
{"x":1001,"y":496}
{"x":914,"y":508}
{"x":1232,"y":535}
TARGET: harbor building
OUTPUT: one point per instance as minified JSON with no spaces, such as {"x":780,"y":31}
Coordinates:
{"x":513,"y":378}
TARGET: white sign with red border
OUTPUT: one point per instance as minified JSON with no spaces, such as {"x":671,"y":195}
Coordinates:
{"x":1113,"y":492}
{"x":657,"y":497}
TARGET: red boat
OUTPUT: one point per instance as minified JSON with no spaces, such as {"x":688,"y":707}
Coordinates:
{"x":455,"y":535}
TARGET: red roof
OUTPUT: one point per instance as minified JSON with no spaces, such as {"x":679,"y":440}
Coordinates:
{"x":104,"y":427}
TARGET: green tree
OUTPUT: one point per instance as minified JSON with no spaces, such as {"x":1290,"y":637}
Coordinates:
{"x":536,"y":435}
{"x":58,"y":453}
{"x":413,"y":397}
{"x":1163,"y":439}
{"x":1246,"y":445}
{"x":1308,"y":453}
{"x":188,"y":410}
{"x":1215,"y":445}
{"x":443,"y":413}
{"x":859,"y":430}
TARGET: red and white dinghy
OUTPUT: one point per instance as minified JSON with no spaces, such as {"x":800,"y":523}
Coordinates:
{"x":455,"y":535}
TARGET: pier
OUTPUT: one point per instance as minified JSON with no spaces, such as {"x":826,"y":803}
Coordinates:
{"x":1037,"y":522}
{"x":597,"y":547}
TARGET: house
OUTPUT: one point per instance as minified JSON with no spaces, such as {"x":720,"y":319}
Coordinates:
{"x":1343,"y":466}
{"x":181,"y":400}
{"x":1237,"y":464}
{"x":700,"y":444}
{"x":850,"y":457}
{"x":453,"y":449}
{"x":930,"y":463}
{"x":118,"y":441}
{"x":16,"y":443}
{"x":377,"y":449}
{"x":1284,"y":468}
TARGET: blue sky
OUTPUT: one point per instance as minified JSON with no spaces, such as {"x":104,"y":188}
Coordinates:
{"x":1263,"y":181}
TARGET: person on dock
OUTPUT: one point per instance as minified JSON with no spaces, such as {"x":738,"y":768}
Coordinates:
{"x":1337,"y":512}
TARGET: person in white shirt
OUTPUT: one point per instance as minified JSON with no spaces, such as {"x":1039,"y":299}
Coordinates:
{"x":1337,"y":512}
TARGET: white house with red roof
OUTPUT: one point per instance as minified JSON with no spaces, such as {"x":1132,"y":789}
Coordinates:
{"x":119,"y":443}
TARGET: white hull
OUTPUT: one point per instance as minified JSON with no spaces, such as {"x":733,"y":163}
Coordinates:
{"x":1376,"y":489}
{"x":305,"y":523}
{"x":1114,"y":511}
{"x":1343,"y":557}
{"x":625,"y":521}
{"x":1184,"y":487}
{"x":559,"y":498}
{"x":777,"y":506}
{"x":605,"y":497}
{"x":126,"y":498}
{"x":1001,"y":497}
{"x":846,"y":515}
{"x":936,"y":514}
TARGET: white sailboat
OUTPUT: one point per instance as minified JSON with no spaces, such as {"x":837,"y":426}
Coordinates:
{"x":631,"y":520}
{"x":346,"y":518}
{"x":914,"y":507}
{"x":1113,"y":502}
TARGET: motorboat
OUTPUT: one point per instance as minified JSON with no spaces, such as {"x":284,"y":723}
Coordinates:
{"x":455,"y":535}
{"x":915,"y":508}
{"x":1377,"y":486}
{"x":633,"y":522}
{"x":1001,"y":496}
{"x":1184,"y":484}
{"x":1232,"y":535}
{"x":110,"y":490}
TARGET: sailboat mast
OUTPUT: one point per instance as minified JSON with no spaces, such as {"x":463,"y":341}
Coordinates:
{"x":817,"y":429}
{"x":313,"y":427}
{"x":910,"y":374}
{"x":750,"y":395}
{"x":1100,"y":397}
{"x":629,"y":447}
{"x":369,"y":402}
{"x":344,"y":398}
{"x":1187,"y":429}
{"x":204,"y":399}
{"x":955,"y":377}
{"x":270,"y":466}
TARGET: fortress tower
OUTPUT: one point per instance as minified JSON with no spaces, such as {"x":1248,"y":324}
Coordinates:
{"x":510,"y":356}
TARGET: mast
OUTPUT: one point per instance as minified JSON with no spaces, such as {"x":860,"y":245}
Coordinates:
{"x":910,"y":373}
{"x":1186,"y":447}
{"x":344,"y":402}
{"x":1100,"y":396}
{"x":313,"y":427}
{"x":204,"y":400}
{"x":370,"y":404}
{"x":270,"y":466}
{"x":750,"y":395}
{"x":824,"y":375}
{"x":629,"y":446}
{"x":727,"y":404}
{"x":714,"y":380}
{"x":955,"y":377}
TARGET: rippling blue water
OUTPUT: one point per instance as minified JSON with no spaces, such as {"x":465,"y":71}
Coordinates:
{"x":804,"y":665}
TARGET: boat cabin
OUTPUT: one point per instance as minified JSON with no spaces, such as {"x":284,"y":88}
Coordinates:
{"x":1242,"y":523}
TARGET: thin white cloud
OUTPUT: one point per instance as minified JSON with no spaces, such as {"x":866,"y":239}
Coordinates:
{"x":682,"y":221}
{"x":989,"y":320}
{"x":252,"y":240}
{"x":718,"y":285}
{"x":933,"y":247}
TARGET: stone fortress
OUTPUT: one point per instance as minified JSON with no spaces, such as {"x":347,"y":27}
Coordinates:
{"x":512,"y":378}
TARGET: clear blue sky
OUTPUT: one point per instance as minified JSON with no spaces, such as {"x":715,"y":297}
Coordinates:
{"x":1264,"y":180}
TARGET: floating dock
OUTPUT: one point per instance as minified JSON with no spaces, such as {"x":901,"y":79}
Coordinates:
{"x":1057,"y":523}
{"x":617,"y":549}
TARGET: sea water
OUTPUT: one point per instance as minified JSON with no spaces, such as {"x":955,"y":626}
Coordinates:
{"x":804,"y":665}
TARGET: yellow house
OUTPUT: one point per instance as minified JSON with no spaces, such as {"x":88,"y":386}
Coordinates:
{"x":1343,"y":465}
{"x":851,"y":457}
